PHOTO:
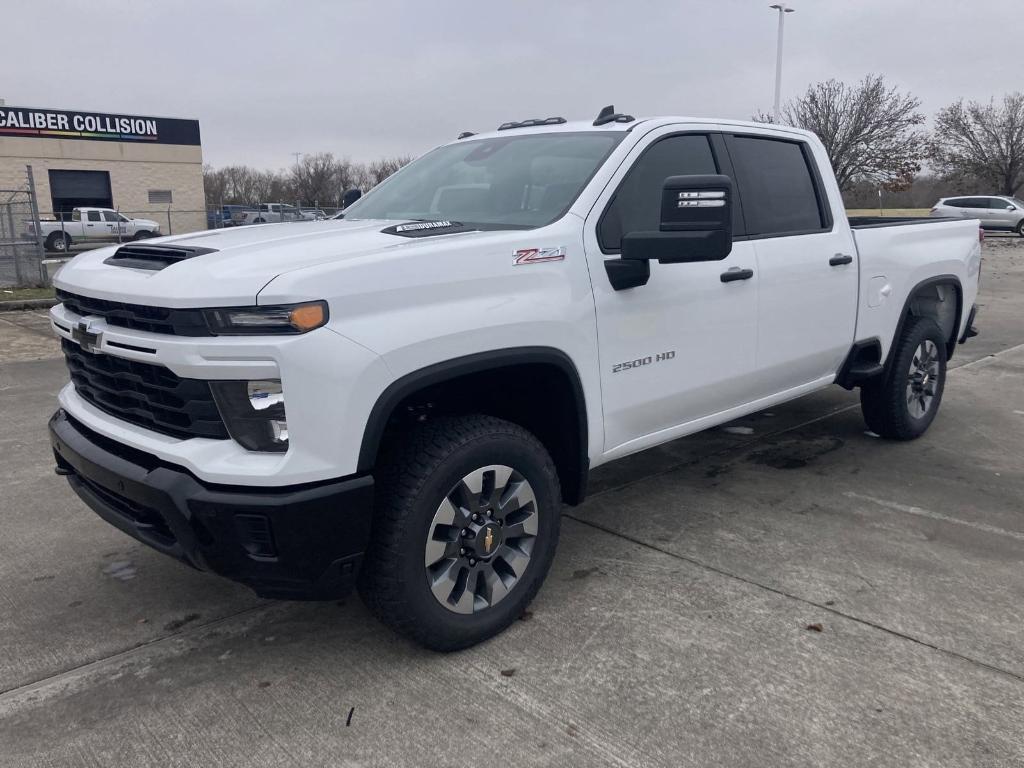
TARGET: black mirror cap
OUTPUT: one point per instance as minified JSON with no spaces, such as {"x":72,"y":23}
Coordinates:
{"x":678,"y":247}
{"x":698,"y":202}
{"x":350,"y":196}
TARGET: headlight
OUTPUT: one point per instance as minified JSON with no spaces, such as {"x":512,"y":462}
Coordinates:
{"x":253,"y":412}
{"x":285,"y":318}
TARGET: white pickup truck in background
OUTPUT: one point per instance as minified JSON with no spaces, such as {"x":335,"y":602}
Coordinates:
{"x":270,"y":213}
{"x":92,"y":225}
{"x":404,"y":398}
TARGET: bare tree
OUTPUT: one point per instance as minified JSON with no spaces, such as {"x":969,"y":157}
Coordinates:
{"x":869,"y":130}
{"x":314,"y":180}
{"x":982,"y":141}
{"x":380,"y":169}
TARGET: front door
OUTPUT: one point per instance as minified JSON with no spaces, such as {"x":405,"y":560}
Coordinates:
{"x":681,"y":347}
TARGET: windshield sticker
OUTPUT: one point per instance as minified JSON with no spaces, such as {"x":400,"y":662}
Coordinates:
{"x":538,"y":255}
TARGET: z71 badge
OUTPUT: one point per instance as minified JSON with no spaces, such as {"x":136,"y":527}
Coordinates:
{"x":642,"y":361}
{"x":538,"y":255}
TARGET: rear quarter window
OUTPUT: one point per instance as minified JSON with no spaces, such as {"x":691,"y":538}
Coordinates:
{"x":779,"y":190}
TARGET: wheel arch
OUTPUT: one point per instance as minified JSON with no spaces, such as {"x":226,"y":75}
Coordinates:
{"x":547,"y":399}
{"x":919,"y":304}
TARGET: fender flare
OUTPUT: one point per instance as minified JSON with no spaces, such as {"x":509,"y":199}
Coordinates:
{"x":438,"y":373}
{"x":905,"y":312}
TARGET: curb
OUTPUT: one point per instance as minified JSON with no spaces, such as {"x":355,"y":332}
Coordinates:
{"x":17,"y":306}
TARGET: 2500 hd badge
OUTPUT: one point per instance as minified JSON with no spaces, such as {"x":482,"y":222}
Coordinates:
{"x":619,"y":367}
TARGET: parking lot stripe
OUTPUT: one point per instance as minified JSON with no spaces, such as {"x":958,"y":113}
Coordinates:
{"x":910,"y":510}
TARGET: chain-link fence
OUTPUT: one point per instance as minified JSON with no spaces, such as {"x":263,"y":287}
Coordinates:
{"x":21,"y":251}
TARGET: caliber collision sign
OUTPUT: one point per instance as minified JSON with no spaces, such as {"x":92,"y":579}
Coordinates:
{"x":95,"y":126}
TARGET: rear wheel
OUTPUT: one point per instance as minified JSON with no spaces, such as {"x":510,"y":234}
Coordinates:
{"x":902,"y":403}
{"x":466,"y":526}
{"x":59,"y":242}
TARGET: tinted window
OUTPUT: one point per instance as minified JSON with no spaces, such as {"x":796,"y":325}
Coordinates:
{"x":111,"y":216}
{"x":956,"y":202}
{"x":636,"y":206}
{"x":997,"y":204}
{"x":94,"y":215}
{"x":974,"y":202}
{"x":775,"y":181}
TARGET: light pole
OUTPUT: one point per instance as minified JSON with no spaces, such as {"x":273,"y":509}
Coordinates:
{"x":783,"y":9}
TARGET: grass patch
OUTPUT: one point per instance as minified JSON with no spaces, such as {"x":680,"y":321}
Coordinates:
{"x":24,"y":294}
{"x":887,"y":212}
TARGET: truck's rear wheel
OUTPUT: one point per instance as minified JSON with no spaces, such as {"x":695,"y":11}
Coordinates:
{"x":59,"y":242}
{"x":902,"y":403}
{"x":466,"y":525}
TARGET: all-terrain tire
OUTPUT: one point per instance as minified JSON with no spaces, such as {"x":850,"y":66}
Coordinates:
{"x":418,"y":471}
{"x":902,"y":403}
{"x":59,"y":242}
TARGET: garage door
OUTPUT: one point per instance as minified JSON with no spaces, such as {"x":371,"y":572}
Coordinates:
{"x":75,"y":189}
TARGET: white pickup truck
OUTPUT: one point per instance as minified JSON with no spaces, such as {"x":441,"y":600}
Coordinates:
{"x":92,"y":225}
{"x":402,"y":400}
{"x":270,"y":213}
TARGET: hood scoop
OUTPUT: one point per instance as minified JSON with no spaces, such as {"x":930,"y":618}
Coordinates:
{"x":153,"y":257}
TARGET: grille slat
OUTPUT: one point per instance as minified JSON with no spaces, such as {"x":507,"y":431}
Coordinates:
{"x":173,"y":322}
{"x":150,"y":396}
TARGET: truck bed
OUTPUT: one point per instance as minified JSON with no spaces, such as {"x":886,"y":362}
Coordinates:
{"x":864,"y":222}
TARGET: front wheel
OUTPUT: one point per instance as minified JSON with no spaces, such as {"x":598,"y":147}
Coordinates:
{"x":143,"y":235}
{"x":466,"y":526}
{"x":1020,"y":228}
{"x":902,"y":403}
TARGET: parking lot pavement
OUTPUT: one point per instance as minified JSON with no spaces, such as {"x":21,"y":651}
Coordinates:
{"x":786,"y":591}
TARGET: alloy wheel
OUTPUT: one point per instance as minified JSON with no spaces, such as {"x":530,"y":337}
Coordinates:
{"x":923,"y":378}
{"x":481,"y":539}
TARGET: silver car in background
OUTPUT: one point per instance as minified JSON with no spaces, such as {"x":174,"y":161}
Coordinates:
{"x":994,"y":212}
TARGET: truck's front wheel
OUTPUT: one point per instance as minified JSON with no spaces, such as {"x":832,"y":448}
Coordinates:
{"x":466,"y":526}
{"x":902,"y":403}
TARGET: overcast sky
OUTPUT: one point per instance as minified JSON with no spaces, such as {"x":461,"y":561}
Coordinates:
{"x":364,"y":79}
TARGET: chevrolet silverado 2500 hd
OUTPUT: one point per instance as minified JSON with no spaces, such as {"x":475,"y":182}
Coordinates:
{"x":401,"y":400}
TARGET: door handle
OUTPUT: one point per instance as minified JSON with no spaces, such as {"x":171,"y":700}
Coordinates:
{"x":840,"y":259}
{"x":735,"y":273}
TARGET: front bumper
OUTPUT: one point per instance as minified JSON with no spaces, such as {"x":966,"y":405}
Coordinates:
{"x":301,"y":542}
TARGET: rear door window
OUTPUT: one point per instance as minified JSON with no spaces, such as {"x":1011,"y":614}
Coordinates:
{"x":781,"y":193}
{"x":956,"y":202}
{"x":636,"y":206}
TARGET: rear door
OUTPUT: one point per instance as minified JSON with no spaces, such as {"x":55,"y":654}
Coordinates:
{"x":681,"y":347}
{"x":806,"y":262}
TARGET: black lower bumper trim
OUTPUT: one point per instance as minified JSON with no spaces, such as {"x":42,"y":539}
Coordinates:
{"x":298,"y":542}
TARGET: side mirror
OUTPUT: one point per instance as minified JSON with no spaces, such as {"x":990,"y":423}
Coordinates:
{"x":1011,"y":208}
{"x":695,"y":225}
{"x":350,"y":196}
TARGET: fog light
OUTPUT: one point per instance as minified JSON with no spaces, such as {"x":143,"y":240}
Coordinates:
{"x":253,"y":412}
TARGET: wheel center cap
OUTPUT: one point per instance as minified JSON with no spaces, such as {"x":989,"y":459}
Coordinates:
{"x":487,"y":539}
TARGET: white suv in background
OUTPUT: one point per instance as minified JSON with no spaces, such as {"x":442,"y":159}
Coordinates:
{"x":998,"y":213}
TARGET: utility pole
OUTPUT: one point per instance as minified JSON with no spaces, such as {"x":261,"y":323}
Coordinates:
{"x":783,"y":9}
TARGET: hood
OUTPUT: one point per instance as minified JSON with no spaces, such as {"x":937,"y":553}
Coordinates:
{"x":242,"y":260}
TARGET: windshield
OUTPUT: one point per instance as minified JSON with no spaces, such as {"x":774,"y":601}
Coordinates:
{"x":1017,"y":202}
{"x":508,"y":182}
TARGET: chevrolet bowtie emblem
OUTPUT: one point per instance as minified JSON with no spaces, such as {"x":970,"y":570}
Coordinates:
{"x":488,"y":540}
{"x":87,"y":339}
